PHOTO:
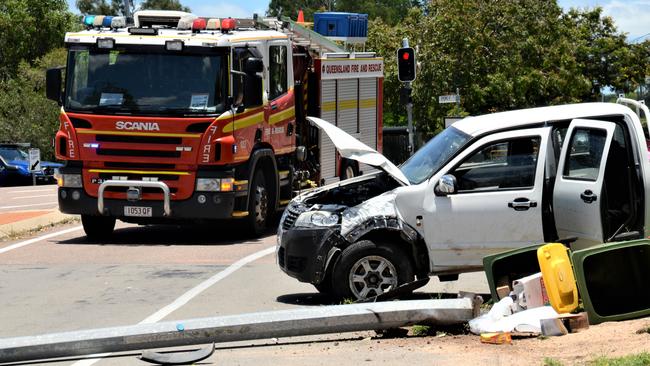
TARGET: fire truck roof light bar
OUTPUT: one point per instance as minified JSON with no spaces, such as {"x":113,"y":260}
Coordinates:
{"x":135,"y":183}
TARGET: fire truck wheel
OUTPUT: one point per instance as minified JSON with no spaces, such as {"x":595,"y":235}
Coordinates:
{"x":97,"y":227}
{"x":349,"y":169}
{"x":258,"y":204}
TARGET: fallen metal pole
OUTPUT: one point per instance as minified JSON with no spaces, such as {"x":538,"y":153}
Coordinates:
{"x":275,"y":324}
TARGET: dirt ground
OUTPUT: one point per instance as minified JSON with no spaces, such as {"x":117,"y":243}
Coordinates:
{"x":366,"y":348}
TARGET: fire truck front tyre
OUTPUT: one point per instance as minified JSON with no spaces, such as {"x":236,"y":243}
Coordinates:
{"x":97,"y":227}
{"x":258,"y":205}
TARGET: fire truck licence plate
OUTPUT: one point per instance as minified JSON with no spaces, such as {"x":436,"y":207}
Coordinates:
{"x":137,"y":211}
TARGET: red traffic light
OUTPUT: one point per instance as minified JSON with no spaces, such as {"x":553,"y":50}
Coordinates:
{"x":405,"y":56}
{"x":406,"y":64}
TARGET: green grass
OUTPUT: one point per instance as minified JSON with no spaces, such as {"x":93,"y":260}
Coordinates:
{"x":420,"y":330}
{"x":552,"y":362}
{"x":641,"y":359}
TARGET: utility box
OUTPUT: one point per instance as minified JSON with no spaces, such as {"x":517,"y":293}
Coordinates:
{"x":338,"y":25}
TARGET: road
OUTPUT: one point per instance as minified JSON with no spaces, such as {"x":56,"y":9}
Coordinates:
{"x":27,"y":198}
{"x":59,"y":281}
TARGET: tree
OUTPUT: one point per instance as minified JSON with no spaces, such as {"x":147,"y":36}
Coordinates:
{"x":164,"y":5}
{"x":25,"y":114}
{"x":98,"y":7}
{"x":290,"y":8}
{"x":390,"y":11}
{"x":29,"y":29}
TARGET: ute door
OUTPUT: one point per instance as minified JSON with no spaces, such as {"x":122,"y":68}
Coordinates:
{"x":577,"y":196}
{"x":496,"y":202}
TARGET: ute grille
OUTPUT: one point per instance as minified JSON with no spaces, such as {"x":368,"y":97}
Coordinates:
{"x":292,"y":214}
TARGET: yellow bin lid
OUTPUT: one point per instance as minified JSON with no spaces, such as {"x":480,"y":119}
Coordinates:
{"x":559,"y":279}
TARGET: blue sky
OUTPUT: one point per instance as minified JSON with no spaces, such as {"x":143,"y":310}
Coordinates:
{"x":631,"y":16}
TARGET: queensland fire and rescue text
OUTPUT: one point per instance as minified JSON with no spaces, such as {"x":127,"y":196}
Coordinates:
{"x":182,"y":118}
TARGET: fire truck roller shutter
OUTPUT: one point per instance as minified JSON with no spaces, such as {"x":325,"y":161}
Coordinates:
{"x":328,"y":113}
{"x":368,"y":115}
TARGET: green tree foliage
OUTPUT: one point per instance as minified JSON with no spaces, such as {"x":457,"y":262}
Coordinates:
{"x":29,"y":29}
{"x":164,"y":5}
{"x":25,"y":114}
{"x":99,"y":7}
{"x":290,"y":8}
{"x":503,"y":55}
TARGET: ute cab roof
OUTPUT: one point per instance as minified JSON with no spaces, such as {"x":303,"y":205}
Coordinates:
{"x":521,"y":118}
{"x":209,"y":34}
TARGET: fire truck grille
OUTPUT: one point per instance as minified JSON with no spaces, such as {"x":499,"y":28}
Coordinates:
{"x":140,"y":139}
{"x":139,"y":153}
{"x":127,"y":165}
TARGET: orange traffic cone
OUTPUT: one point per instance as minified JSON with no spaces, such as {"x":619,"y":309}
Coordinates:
{"x":301,"y":16}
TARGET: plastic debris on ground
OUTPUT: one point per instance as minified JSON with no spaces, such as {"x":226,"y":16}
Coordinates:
{"x":496,"y":338}
{"x":504,"y":317}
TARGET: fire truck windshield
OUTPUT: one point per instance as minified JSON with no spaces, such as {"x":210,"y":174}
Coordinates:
{"x":127,"y":82}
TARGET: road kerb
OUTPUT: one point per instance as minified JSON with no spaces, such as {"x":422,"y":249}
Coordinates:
{"x":17,"y":228}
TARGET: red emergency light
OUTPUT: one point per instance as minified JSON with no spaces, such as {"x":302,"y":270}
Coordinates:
{"x":227,"y":24}
{"x":198,"y":24}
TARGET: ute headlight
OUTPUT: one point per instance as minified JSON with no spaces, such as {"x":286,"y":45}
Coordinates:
{"x":317,"y":218}
{"x":208,"y":184}
{"x":70,"y":180}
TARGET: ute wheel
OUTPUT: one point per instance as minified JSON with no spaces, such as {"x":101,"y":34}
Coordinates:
{"x":97,"y":227}
{"x":349,"y":169}
{"x":367,"y":269}
{"x":258,"y":205}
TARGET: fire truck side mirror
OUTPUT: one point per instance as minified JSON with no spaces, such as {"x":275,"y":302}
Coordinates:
{"x":253,"y":95}
{"x":53,"y":80}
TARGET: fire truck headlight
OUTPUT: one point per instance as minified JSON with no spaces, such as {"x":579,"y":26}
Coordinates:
{"x":107,"y":43}
{"x":70,"y":180}
{"x":208,"y":184}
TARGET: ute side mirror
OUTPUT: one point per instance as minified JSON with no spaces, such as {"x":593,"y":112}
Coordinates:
{"x":446,"y":185}
{"x":53,"y":81}
{"x":301,"y":153}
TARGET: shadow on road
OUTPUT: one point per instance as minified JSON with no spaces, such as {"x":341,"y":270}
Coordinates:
{"x":226,"y":233}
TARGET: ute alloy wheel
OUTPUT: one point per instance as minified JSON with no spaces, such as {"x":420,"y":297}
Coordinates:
{"x":97,"y":227}
{"x":367,"y":269}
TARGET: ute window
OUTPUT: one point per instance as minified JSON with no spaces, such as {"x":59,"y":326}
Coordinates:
{"x":278,"y":71}
{"x":509,"y":164}
{"x":585,"y":154}
{"x":138,"y":82}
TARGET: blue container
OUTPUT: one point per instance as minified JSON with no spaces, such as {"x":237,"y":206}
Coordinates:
{"x":336,"y":24}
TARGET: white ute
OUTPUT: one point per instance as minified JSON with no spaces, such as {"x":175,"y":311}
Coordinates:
{"x":572,"y":173}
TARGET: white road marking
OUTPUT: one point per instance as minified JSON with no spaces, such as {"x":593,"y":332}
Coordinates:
{"x":186,"y":297}
{"x":39,"y":238}
{"x":36,"y":196}
{"x":32,"y":205}
{"x":32,"y":190}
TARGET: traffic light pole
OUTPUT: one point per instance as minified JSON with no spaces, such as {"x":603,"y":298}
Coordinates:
{"x":409,"y":108}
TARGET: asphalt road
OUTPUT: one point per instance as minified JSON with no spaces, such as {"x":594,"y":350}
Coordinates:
{"x":23,"y":198}
{"x":153,"y":273}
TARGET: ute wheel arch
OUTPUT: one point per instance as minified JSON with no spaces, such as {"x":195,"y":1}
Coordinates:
{"x":416,"y":250}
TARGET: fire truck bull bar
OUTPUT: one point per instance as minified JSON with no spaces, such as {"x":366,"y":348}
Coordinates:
{"x":133,"y":184}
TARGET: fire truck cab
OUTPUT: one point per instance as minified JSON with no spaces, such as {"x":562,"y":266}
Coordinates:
{"x":180,"y":118}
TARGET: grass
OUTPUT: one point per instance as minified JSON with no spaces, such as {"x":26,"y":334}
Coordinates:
{"x":641,"y":359}
{"x":552,"y":362}
{"x":421,"y":330}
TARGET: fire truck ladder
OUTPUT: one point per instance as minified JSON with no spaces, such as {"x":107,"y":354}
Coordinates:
{"x":303,"y":36}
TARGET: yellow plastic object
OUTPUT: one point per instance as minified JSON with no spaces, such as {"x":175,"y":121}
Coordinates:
{"x":559,"y":279}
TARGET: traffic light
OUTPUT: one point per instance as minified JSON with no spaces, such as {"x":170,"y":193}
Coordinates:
{"x":406,"y":64}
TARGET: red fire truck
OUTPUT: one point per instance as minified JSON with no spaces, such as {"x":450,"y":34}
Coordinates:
{"x":178,"y":118}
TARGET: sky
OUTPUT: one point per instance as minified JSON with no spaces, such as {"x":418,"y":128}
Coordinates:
{"x":631,"y":16}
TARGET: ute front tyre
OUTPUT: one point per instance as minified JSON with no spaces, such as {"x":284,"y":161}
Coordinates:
{"x":98,"y":227}
{"x":367,"y":269}
{"x":258,"y":205}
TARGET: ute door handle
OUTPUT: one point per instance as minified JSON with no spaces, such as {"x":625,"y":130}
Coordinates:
{"x":588,"y":196}
{"x":522,"y":204}
{"x":274,"y":107}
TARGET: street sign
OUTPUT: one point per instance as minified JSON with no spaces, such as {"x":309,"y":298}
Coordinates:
{"x":34,"y":160}
{"x":451,"y":98}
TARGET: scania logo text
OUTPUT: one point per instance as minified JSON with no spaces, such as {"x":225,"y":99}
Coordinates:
{"x":140,"y":126}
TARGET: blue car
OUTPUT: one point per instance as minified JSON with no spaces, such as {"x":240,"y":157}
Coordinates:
{"x":14,"y":167}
